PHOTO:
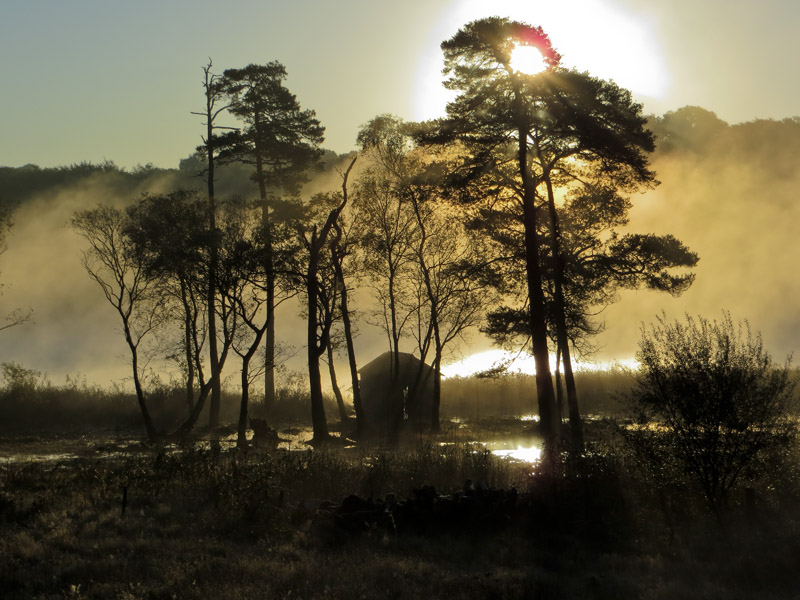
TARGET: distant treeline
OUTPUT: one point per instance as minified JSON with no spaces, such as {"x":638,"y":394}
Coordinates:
{"x":765,"y":143}
{"x":769,"y":144}
{"x":20,"y":184}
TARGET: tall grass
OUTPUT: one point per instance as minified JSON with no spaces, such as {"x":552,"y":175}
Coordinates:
{"x":600,"y":392}
{"x":29,"y":401}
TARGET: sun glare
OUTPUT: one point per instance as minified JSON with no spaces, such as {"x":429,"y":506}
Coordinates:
{"x":527,"y":59}
{"x":521,"y":453}
{"x":608,"y":41}
{"x":523,"y":363}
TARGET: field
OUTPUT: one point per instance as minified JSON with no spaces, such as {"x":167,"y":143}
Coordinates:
{"x":96,"y":513}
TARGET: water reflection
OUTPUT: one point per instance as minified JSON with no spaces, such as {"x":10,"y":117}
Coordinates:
{"x":500,"y":437}
{"x":530,"y":455}
{"x":507,"y":450}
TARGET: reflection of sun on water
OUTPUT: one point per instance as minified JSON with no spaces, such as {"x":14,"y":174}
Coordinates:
{"x":520,"y":453}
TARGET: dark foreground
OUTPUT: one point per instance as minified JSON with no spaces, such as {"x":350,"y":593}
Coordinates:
{"x":429,"y":520}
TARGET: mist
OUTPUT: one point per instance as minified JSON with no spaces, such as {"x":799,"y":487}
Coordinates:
{"x":73,"y":331}
{"x":727,"y":191}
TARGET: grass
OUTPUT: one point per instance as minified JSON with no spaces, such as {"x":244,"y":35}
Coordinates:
{"x":202,"y":523}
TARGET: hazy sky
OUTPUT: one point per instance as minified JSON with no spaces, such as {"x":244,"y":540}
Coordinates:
{"x":109,"y":79}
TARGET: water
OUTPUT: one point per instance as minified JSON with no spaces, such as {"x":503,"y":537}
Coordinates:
{"x":501,"y":438}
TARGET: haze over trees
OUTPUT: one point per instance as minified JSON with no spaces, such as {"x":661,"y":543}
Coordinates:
{"x":524,"y":138}
{"x":514,"y":144}
{"x":578,"y":184}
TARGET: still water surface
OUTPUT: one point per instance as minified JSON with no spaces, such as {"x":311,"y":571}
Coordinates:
{"x":109,"y":445}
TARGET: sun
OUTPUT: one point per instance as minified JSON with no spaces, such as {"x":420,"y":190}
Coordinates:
{"x":527,"y":59}
{"x":609,"y":41}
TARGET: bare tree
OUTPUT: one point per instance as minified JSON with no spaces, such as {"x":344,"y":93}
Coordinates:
{"x":449,"y":265}
{"x":342,"y":249}
{"x":388,"y":228}
{"x":244,"y":283}
{"x":437,"y":261}
{"x":320,"y":290}
{"x":215,"y":105}
{"x":119,"y":268}
{"x":171,"y":233}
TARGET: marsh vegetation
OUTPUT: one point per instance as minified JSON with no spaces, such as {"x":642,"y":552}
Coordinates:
{"x":100,"y":513}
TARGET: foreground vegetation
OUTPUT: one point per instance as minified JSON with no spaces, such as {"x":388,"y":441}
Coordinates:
{"x":200,"y":523}
{"x":633,"y":514}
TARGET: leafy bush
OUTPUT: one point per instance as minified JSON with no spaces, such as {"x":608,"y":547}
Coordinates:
{"x":708,"y":400}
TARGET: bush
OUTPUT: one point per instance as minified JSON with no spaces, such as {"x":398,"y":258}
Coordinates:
{"x":708,"y":400}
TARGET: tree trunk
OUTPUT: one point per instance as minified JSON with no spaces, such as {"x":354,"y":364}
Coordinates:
{"x":216,"y":391}
{"x":241,"y":440}
{"x":269,"y":267}
{"x":544,"y":382}
{"x":318,"y":419}
{"x":562,"y":335}
{"x":269,"y":350}
{"x":191,"y":420}
{"x":241,"y":437}
{"x":361,"y":422}
{"x":437,"y":390}
{"x":137,"y":384}
{"x":317,"y":347}
{"x":395,"y":336}
{"x":559,"y":385}
{"x":336,"y":391}
{"x":187,"y":329}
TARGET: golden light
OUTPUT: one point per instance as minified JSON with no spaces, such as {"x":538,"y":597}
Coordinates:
{"x":609,"y":41}
{"x":525,"y":364}
{"x":521,"y":453}
{"x":527,"y":59}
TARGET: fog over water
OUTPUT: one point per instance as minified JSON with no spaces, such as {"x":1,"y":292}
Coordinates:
{"x":729,"y":192}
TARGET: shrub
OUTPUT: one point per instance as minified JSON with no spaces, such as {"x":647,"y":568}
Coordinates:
{"x":708,"y":399}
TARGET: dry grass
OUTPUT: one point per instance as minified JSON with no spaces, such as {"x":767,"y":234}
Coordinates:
{"x":204,"y":524}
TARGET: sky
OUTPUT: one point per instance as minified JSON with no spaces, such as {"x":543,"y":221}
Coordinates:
{"x":110,"y":80}
{"x":94,"y":80}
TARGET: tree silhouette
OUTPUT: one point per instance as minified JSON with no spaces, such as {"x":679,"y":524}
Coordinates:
{"x":281,"y":142}
{"x":719,"y":397}
{"x":491,"y":122}
{"x":598,"y":262}
{"x":243,"y":281}
{"x":529,"y":140}
{"x":388,"y":232}
{"x":214,"y":106}
{"x":172,"y":233}
{"x":320,"y":284}
{"x":119,"y":268}
{"x":343,"y":247}
{"x":443,"y":293}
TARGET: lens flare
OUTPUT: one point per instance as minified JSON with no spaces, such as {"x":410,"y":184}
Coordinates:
{"x":527,"y":59}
